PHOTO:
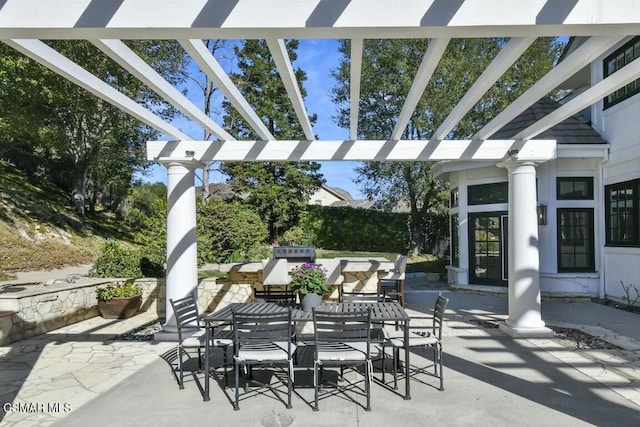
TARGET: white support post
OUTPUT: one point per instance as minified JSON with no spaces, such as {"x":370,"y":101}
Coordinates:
{"x":182,"y":254}
{"x":525,"y":319}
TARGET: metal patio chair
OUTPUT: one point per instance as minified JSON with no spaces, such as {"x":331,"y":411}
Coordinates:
{"x":192,"y":334}
{"x":421,"y":336}
{"x":263,"y":339}
{"x":342,"y":339}
{"x":361,"y":296}
{"x":392,"y":283}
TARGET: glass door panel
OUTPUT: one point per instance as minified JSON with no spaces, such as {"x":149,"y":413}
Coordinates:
{"x":487,"y":245}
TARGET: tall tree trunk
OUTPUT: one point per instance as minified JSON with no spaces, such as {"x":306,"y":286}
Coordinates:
{"x":78,"y":194}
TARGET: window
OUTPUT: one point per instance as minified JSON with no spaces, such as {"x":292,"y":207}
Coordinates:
{"x":575,"y":240}
{"x":580,"y":188}
{"x":455,"y":247}
{"x":622,"y":215}
{"x":454,"y":195}
{"x":488,"y":193}
{"x":621,"y":57}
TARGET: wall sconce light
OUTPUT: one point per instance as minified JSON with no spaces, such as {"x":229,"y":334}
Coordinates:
{"x":542,"y":214}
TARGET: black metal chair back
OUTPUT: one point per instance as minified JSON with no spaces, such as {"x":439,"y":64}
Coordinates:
{"x":361,"y":296}
{"x":332,"y":327}
{"x":186,"y":314}
{"x":342,"y":339}
{"x":286,"y":298}
{"x":258,"y":328}
{"x":438,"y":316}
{"x":263,"y":338}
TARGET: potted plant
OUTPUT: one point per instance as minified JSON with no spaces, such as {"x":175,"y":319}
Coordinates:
{"x":119,"y":301}
{"x":309,"y":280}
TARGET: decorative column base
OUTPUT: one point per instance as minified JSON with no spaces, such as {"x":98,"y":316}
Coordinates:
{"x":526,"y":332}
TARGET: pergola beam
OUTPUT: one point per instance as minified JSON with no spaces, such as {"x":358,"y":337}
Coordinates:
{"x":130,"y":61}
{"x":202,"y":19}
{"x":204,"y":151}
{"x":283,"y":63}
{"x":500,"y":64}
{"x":357,"y":46}
{"x":425,"y":71}
{"x":621,"y":77}
{"x":198,"y":51}
{"x":52,"y":59}
{"x":573,"y":63}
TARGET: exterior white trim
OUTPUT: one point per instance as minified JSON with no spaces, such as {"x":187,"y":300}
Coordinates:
{"x":536,"y":150}
{"x":202,"y":19}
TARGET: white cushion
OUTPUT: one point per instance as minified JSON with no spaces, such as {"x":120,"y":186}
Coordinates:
{"x":275,"y":351}
{"x":197,"y":339}
{"x":415,"y":340}
{"x":352,"y":351}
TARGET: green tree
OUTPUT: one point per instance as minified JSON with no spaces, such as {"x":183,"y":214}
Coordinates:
{"x":278,"y":190}
{"x":68,"y":126}
{"x":389,"y":67}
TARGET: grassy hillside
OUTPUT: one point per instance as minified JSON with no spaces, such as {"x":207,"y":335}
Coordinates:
{"x":40,"y":231}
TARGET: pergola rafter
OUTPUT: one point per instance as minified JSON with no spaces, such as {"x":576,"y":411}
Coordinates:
{"x":128,"y":59}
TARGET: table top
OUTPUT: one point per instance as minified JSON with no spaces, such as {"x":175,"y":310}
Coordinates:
{"x":381,"y":311}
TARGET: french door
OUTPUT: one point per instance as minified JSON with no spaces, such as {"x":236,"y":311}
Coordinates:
{"x":488,"y":242}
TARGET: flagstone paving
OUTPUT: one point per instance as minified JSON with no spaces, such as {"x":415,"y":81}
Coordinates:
{"x":49,"y":378}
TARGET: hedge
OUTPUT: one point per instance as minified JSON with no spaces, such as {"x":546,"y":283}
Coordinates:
{"x":351,"y":229}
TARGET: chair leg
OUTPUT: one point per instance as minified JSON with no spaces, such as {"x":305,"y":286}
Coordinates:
{"x":441,"y":370}
{"x":316,"y":383}
{"x":368,"y":386}
{"x":289,"y":386}
{"x":236,"y":405}
{"x":401,"y":293}
{"x":396,"y":362}
{"x":181,"y":380}
{"x":384,"y":360}
{"x":225,"y":362}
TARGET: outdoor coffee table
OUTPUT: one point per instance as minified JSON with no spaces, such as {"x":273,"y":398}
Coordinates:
{"x":381,"y":312}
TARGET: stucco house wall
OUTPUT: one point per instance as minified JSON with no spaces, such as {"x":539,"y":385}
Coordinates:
{"x":620,"y":126}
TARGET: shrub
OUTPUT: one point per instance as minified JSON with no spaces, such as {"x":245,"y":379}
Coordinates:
{"x":116,"y":261}
{"x":152,"y":239}
{"x":228,"y":231}
{"x":122,"y":290}
{"x":351,"y":229}
{"x":140,"y":203}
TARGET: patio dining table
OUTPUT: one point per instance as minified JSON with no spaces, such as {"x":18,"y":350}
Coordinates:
{"x":381,"y":312}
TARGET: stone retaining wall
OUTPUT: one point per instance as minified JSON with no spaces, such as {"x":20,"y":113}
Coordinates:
{"x":33,"y":309}
{"x":28,"y":310}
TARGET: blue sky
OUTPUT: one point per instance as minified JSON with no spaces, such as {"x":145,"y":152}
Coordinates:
{"x":317,"y":58}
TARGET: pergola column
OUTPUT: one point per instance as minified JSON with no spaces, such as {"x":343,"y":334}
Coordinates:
{"x":182,"y":254}
{"x":525,"y":318}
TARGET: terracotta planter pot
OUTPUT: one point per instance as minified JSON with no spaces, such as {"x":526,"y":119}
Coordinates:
{"x":120,"y":308}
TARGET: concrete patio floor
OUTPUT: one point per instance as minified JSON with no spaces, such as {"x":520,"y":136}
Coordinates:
{"x":490,"y":378}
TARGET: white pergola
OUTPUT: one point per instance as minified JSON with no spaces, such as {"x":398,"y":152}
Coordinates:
{"x":23,"y":23}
